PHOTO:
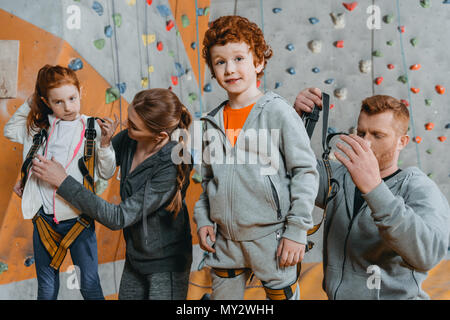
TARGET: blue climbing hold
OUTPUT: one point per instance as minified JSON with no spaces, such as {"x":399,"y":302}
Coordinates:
{"x":179,"y":69}
{"x":163,"y":10}
{"x":193,"y":45}
{"x":276,"y":10}
{"x":291,"y":70}
{"x":3,"y":267}
{"x":200,"y":11}
{"x":29,"y":261}
{"x":76,"y":64}
{"x":313,"y":20}
{"x":329,"y":81}
{"x":446,"y":1}
{"x":290,"y":47}
{"x":122,"y":87}
{"x":277,"y":85}
{"x":315,"y":70}
{"x":97,"y":8}
{"x":447,"y":126}
{"x":108,"y":31}
{"x":207,"y":87}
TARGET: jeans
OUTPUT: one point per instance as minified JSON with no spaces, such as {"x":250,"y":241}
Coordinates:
{"x":84,"y":255}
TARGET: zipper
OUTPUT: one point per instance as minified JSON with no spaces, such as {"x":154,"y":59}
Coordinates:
{"x":276,"y":198}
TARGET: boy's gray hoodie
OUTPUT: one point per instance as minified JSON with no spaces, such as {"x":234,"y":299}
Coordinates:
{"x":384,"y":250}
{"x":266,"y":181}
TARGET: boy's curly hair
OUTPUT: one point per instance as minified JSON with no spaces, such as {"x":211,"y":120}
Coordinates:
{"x":236,"y":29}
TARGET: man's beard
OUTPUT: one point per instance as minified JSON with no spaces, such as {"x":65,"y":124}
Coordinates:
{"x":386,"y":159}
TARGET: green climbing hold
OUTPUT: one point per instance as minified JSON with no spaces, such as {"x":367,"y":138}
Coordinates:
{"x":425,"y":3}
{"x":390,"y":42}
{"x":403,"y":79}
{"x":388,"y":18}
{"x":206,"y":11}
{"x":99,"y":43}
{"x":428,"y":102}
{"x":430,"y":175}
{"x":414,"y":42}
{"x":117,"y":17}
{"x":377,"y":53}
{"x":3,"y":267}
{"x":196,"y":177}
{"x":112,"y":94}
{"x":429,"y":151}
{"x":192,"y":97}
{"x":171,"y":53}
{"x":185,"y":21}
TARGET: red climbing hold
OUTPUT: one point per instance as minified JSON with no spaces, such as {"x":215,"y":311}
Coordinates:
{"x":174,"y":80}
{"x":169,"y":25}
{"x":429,"y":126}
{"x":149,"y":2}
{"x":350,"y":6}
{"x":417,"y":139}
{"x":415,"y":67}
{"x":331,"y":106}
{"x":440,"y":89}
{"x":442,"y":138}
{"x":379,"y":80}
{"x":159,"y":46}
{"x":401,"y":29}
{"x":415,"y":90}
{"x":390,"y":66}
{"x":339,"y":44}
{"x":405,"y":102}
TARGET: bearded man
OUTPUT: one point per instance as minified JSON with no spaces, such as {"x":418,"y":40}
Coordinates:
{"x":386,"y":227}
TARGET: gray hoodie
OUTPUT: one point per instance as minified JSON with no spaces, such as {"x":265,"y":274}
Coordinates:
{"x":385,"y":250}
{"x":266,"y":181}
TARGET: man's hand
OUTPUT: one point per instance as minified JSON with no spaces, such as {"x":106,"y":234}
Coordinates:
{"x":362,"y":163}
{"x":108,"y":127}
{"x":203,"y":234}
{"x":290,"y":252}
{"x":18,"y":188}
{"x":50,"y":171}
{"x":306,"y":99}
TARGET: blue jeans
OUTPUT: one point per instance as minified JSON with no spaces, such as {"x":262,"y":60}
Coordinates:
{"x":84,"y":255}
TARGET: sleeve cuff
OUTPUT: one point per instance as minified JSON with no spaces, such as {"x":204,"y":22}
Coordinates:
{"x":68,"y":188}
{"x":379,"y":199}
{"x":295,"y":234}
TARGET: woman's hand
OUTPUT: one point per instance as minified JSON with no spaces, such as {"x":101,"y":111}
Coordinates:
{"x":108,"y":127}
{"x":50,"y":171}
{"x":18,"y":188}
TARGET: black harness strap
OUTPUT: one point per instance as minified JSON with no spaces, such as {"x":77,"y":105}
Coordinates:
{"x":38,"y":140}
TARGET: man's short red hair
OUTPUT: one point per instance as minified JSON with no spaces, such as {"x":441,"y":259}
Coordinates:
{"x":236,"y":29}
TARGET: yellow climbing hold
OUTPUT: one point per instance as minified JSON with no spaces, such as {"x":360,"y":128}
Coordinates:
{"x":148,"y":38}
{"x":131,"y":2}
{"x":151,"y":69}
{"x":144,"y":82}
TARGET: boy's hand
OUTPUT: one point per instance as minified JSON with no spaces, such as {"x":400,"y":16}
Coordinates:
{"x":306,"y":99}
{"x":108,"y":128}
{"x":18,"y":188}
{"x":290,"y":252}
{"x":203,"y":234}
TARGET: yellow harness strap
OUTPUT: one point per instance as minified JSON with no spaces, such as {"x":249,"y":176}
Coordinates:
{"x":229,"y":273}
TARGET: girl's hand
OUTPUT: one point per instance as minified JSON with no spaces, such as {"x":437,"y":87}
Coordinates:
{"x":108,"y":128}
{"x":203,"y":234}
{"x":50,"y":171}
{"x":18,"y":188}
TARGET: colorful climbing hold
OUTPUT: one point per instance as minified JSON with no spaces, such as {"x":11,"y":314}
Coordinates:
{"x":3,"y":267}
{"x":401,"y":29}
{"x":414,"y":41}
{"x":194,"y":45}
{"x":415,"y":90}
{"x":148,"y":38}
{"x":28,"y":261}
{"x":169,"y":25}
{"x":75,"y":64}
{"x":440,"y":89}
{"x":99,"y":43}
{"x":117,"y":18}
{"x":447,"y":126}
{"x":207,"y":87}
{"x":144,"y":82}
{"x":329,"y":81}
{"x":425,"y":3}
{"x":163,"y":10}
{"x":338,"y":20}
{"x":122,"y":87}
{"x":390,"y":66}
{"x":192,"y":97}
{"x":403,"y":79}
{"x":442,"y":138}
{"x":315,"y":46}
{"x":97,"y":8}
{"x":277,"y":85}
{"x":149,"y":2}
{"x":290,"y":46}
{"x":185,"y":21}
{"x":151,"y":69}
{"x":315,"y":70}
{"x":108,"y":31}
{"x":428,"y":102}
{"x":339,"y":44}
{"x":429,"y":151}
{"x":390,"y":42}
{"x":405,"y":102}
{"x":159,"y":46}
{"x":111,"y":95}
{"x":415,"y":67}
{"x":258,"y":83}
{"x":131,"y":2}
{"x":429,"y":126}
{"x":377,"y":53}
{"x":417,"y":139}
{"x":341,"y":93}
{"x":365,"y":66}
{"x":378,"y":80}
{"x":174,"y":80}
{"x":179,"y":69}
{"x":388,"y":18}
{"x":313,"y":20}
{"x":291,"y":70}
{"x":350,"y":6}
{"x":276,"y":10}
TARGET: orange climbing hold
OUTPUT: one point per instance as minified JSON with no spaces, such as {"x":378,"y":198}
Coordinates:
{"x":415,"y":67}
{"x":417,"y":139}
{"x":169,"y":25}
{"x":390,"y":66}
{"x":442,"y":138}
{"x":350,"y":6}
{"x":415,"y":90}
{"x":429,"y":126}
{"x":440,"y":89}
{"x":159,"y":46}
{"x":379,"y":80}
{"x":339,"y":44}
{"x":174,"y":80}
{"x":405,"y":102}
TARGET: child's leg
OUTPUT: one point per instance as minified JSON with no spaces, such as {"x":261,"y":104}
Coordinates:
{"x":84,"y":254}
{"x":47,"y":277}
{"x":133,"y":286}
{"x":262,"y":256}
{"x":228,"y":288}
{"x":168,"y":285}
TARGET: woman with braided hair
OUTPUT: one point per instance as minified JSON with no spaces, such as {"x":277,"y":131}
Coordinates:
{"x":153,"y":213}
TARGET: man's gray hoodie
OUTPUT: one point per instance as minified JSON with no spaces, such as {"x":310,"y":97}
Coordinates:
{"x":384,"y":250}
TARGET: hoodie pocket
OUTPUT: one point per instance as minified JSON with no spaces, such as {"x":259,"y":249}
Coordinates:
{"x":275,"y":198}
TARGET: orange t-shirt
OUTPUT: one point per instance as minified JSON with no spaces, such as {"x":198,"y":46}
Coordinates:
{"x":234,"y":120}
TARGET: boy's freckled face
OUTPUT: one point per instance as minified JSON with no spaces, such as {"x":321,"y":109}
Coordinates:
{"x":234,"y":67}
